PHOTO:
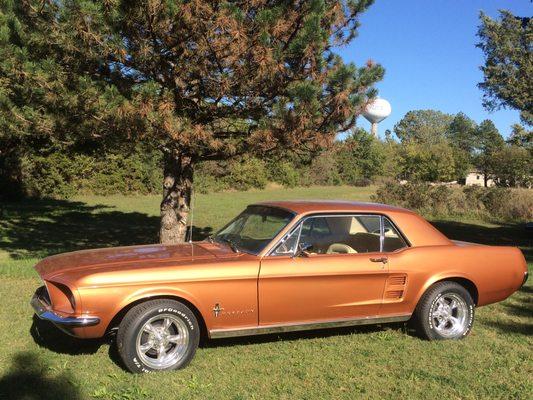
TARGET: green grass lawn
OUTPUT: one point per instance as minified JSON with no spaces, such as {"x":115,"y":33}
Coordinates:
{"x":37,"y":361}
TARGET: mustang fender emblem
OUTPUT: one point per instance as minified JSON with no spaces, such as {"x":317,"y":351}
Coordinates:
{"x":217,"y":309}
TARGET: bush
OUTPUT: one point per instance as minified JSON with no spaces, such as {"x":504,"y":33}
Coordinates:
{"x":284,"y":173}
{"x":359,"y":158}
{"x":204,"y":183}
{"x":210,"y":176}
{"x":247,"y":173}
{"x":518,"y":207}
{"x":426,"y":162}
{"x":63,"y":176}
{"x":504,"y":203}
{"x":125,"y":174}
{"x":488,"y":203}
{"x":54,"y":176}
{"x":324,"y":170}
{"x":435,"y":200}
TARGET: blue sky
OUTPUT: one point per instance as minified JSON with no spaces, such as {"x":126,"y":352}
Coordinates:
{"x":428,"y":50}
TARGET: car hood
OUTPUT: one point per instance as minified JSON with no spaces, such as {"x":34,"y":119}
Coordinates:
{"x":86,"y":262}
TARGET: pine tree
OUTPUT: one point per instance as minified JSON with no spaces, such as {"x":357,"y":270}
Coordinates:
{"x":198,"y":80}
{"x":461,"y":134}
{"x":521,"y":137}
{"x":508,"y":67}
{"x":489,"y":142}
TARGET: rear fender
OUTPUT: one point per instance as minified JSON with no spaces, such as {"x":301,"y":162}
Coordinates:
{"x":443,"y":276}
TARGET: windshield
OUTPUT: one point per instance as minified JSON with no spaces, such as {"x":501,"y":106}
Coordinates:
{"x":254,"y":228}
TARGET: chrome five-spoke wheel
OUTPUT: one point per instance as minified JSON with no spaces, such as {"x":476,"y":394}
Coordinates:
{"x":158,"y":335}
{"x":445,"y":311}
{"x":162,"y":341}
{"x":449,"y":314}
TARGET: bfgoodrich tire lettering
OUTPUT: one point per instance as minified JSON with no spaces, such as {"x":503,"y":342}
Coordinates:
{"x":445,"y":311}
{"x":158,"y":335}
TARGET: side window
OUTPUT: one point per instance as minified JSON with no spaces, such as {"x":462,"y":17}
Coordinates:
{"x":392,"y":239}
{"x":366,"y":224}
{"x":315,"y":227}
{"x":316,"y":234}
{"x":365,"y":233}
{"x":341,"y":234}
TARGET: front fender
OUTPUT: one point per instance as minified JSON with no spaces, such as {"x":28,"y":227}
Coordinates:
{"x":108,"y":302}
{"x":144,"y":294}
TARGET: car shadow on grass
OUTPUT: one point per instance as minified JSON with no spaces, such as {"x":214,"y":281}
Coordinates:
{"x":39,"y":228}
{"x":300,"y":335}
{"x":526,"y":289}
{"x":46,"y":335}
{"x":525,"y":329}
{"x":518,"y":312}
{"x":29,"y":378}
{"x":504,"y":234}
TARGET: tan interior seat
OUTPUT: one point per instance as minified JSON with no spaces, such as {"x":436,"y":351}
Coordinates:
{"x":364,"y":242}
{"x":340,"y":248}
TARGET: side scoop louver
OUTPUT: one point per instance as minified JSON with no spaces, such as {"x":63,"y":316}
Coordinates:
{"x":395,"y":287}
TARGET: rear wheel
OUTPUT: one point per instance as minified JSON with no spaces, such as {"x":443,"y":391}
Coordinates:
{"x":158,"y":335}
{"x":445,"y":311}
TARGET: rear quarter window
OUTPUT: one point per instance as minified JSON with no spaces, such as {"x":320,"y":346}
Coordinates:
{"x":392,"y":239}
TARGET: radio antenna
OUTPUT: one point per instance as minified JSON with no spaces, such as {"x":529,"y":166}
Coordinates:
{"x":191,"y":213}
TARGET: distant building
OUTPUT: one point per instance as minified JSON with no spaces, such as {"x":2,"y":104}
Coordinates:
{"x":475,"y":178}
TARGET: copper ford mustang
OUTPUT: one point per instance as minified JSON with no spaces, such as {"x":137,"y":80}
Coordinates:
{"x":277,"y":267}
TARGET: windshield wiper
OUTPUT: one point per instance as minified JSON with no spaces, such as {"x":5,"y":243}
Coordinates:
{"x":231,"y":244}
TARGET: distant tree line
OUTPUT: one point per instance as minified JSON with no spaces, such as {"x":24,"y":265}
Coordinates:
{"x":425,"y":146}
{"x":438,"y":147}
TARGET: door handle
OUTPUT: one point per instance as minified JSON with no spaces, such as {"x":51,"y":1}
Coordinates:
{"x":383,"y":260}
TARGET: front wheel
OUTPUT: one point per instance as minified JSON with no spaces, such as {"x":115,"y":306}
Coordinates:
{"x":158,"y":335}
{"x":445,"y":311}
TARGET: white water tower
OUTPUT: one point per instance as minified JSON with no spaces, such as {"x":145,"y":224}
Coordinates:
{"x":375,"y":112}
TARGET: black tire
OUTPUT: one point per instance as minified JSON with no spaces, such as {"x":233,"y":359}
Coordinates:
{"x":129,"y":335}
{"x":426,"y":324}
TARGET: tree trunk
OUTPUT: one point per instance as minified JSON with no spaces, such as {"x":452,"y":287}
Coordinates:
{"x":177,"y":187}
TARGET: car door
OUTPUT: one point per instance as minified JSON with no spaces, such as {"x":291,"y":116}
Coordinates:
{"x":342,"y":275}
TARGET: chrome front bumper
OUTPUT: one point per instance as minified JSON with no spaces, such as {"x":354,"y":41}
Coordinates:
{"x":43,"y":310}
